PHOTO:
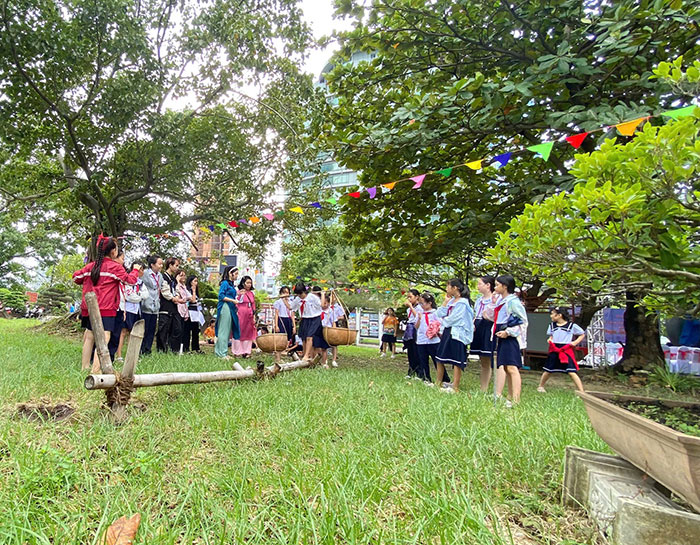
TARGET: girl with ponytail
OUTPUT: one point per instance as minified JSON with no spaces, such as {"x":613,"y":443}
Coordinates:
{"x":103,"y":276}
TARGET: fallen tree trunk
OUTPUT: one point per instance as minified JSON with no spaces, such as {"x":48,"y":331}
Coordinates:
{"x":104,"y":382}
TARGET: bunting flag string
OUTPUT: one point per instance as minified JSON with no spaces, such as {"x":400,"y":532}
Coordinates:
{"x":542,"y":150}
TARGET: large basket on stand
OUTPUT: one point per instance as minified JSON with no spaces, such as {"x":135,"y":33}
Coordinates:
{"x":272,"y":342}
{"x":336,"y":336}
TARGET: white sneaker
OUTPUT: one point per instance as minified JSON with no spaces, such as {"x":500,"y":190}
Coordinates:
{"x":118,"y":359}
{"x":393,"y":356}
{"x":416,"y":377}
{"x":382,"y":355}
{"x":408,"y":377}
{"x":334,"y":363}
{"x":429,"y":384}
{"x":448,"y":390}
{"x":447,"y":385}
{"x":508,"y":405}
{"x":237,"y":367}
{"x":541,"y":390}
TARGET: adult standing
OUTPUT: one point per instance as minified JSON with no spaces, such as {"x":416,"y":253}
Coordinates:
{"x":150,"y":304}
{"x":104,"y":277}
{"x":227,"y":313}
{"x":169,"y":325}
{"x":182,"y":316}
{"x":194,"y":307}
{"x":246,"y":318}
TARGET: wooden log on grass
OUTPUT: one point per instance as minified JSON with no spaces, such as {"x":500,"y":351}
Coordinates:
{"x":98,"y":332}
{"x":119,"y":397}
{"x":104,"y":382}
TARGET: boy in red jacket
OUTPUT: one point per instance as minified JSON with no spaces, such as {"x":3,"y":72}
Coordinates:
{"x":103,"y":276}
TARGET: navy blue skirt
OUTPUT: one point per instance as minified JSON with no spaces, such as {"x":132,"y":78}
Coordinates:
{"x":482,"y":345}
{"x":286,"y":325}
{"x":108,"y":323}
{"x":309,"y":327}
{"x":319,"y":341}
{"x":450,"y":351}
{"x":508,"y":352}
{"x":555,"y":365}
{"x":130,"y":320}
{"x":386,"y":338}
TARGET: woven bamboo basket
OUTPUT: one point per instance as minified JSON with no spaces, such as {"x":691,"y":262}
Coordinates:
{"x":272,"y":342}
{"x":336,"y":336}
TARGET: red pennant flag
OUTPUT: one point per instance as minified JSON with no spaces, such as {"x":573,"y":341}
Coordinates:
{"x":418,"y":180}
{"x":233,"y":224}
{"x":577,"y":139}
{"x":355,"y":194}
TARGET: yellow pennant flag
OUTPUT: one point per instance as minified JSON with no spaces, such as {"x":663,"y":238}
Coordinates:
{"x":629,"y":128}
{"x":297,"y":209}
{"x":389,"y":186}
{"x":254,"y":219}
{"x":475,"y":165}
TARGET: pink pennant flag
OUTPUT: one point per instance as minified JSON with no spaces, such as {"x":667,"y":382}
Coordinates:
{"x":269,"y":217}
{"x":418,"y":180}
{"x":372,"y":192}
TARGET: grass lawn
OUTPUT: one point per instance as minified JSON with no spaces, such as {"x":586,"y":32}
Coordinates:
{"x":352,"y":455}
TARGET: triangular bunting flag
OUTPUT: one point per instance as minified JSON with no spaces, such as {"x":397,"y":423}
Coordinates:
{"x":203,"y":230}
{"x":355,"y":194}
{"x":297,"y":209}
{"x":445,"y":171}
{"x":474,"y":165}
{"x":577,"y":139}
{"x":543,"y":149}
{"x":680,"y":112}
{"x":389,"y":186}
{"x":211,"y":228}
{"x":269,"y":217}
{"x":502,"y":159}
{"x":221,"y":225}
{"x":629,"y":127}
{"x":279,"y":213}
{"x":372,"y":192}
{"x":418,"y":180}
{"x":316,"y":204}
{"x":254,"y":219}
{"x":243,"y":221}
{"x":233,"y":224}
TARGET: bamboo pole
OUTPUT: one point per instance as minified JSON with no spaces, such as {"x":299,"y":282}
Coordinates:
{"x":104,"y":381}
{"x":98,"y":333}
{"x":133,"y":350}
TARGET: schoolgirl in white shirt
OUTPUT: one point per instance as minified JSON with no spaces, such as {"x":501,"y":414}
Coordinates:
{"x":564,"y":335}
{"x":409,"y":336}
{"x":309,"y":307}
{"x":482,"y":344}
{"x":338,"y":314}
{"x":427,"y":337}
{"x":284,"y":316}
{"x":320,"y":345}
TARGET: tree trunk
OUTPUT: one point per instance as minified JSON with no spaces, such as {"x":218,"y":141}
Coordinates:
{"x":588,"y":308}
{"x":642,"y":345}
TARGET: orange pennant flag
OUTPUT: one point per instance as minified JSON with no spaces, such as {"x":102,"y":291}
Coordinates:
{"x":254,"y":219}
{"x":389,"y":186}
{"x":475,"y":165}
{"x":629,"y":128}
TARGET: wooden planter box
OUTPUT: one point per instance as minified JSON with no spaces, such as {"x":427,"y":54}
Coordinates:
{"x":669,"y":456}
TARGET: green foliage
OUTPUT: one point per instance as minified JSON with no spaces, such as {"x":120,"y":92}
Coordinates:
{"x":681,"y":419}
{"x":13,"y":298}
{"x":89,"y":142}
{"x":630,"y":223}
{"x":456,"y":81}
{"x":57,"y":297}
{"x":62,"y":272}
{"x":685,"y":81}
{"x":663,"y":377}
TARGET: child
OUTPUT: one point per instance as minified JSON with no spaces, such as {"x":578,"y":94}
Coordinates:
{"x":103,"y":276}
{"x":409,"y":336}
{"x":133,"y":295}
{"x":338,"y":317}
{"x":458,"y":318}
{"x":320,"y":345}
{"x":309,"y":307}
{"x":150,"y":304}
{"x":390,"y":324}
{"x":284,"y":317}
{"x":510,"y":314}
{"x":210,"y":332}
{"x":427,"y":339}
{"x":482,"y":345}
{"x":561,"y":341}
{"x":296,"y":349}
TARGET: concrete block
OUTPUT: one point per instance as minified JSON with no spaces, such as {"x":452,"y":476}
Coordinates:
{"x":638,"y":523}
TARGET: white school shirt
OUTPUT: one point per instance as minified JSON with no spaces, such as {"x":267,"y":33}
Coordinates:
{"x":425,"y":318}
{"x":564,"y":334}
{"x":282,"y":309}
{"x":412,"y":314}
{"x":133,"y":292}
{"x":327,"y":319}
{"x":337,"y":312}
{"x":311,"y":305}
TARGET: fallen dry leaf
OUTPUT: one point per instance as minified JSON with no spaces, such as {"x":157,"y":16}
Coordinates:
{"x":122,"y":531}
{"x":370,"y":384}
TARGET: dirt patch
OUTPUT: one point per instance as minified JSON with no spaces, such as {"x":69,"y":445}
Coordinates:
{"x":42,"y":413}
{"x":679,"y":418}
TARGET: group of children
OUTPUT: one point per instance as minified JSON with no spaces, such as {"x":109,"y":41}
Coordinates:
{"x":495,"y":327}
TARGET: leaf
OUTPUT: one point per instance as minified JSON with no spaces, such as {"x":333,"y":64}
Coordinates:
{"x":122,"y":531}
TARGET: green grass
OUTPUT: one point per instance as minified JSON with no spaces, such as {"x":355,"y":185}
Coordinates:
{"x":353,"y":455}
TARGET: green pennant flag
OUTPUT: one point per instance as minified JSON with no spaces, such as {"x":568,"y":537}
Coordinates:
{"x":679,"y":112}
{"x":221,"y":225}
{"x":543,"y":149}
{"x":279,"y":213}
{"x":445,"y":171}
{"x":333,"y":200}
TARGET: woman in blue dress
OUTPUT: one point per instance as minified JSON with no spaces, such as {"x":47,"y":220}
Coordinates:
{"x":226,"y":313}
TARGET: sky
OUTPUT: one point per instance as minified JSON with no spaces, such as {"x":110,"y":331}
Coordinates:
{"x":319,"y":14}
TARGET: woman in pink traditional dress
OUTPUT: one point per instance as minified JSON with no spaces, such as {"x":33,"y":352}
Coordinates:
{"x":246,"y":318}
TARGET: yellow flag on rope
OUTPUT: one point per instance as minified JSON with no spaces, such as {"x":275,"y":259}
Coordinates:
{"x":297,"y":209}
{"x":628,"y":128}
{"x":475,"y":165}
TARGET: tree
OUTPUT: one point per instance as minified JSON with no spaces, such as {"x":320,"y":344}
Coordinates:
{"x":458,"y":81}
{"x":90,"y":140}
{"x":630,"y":226}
